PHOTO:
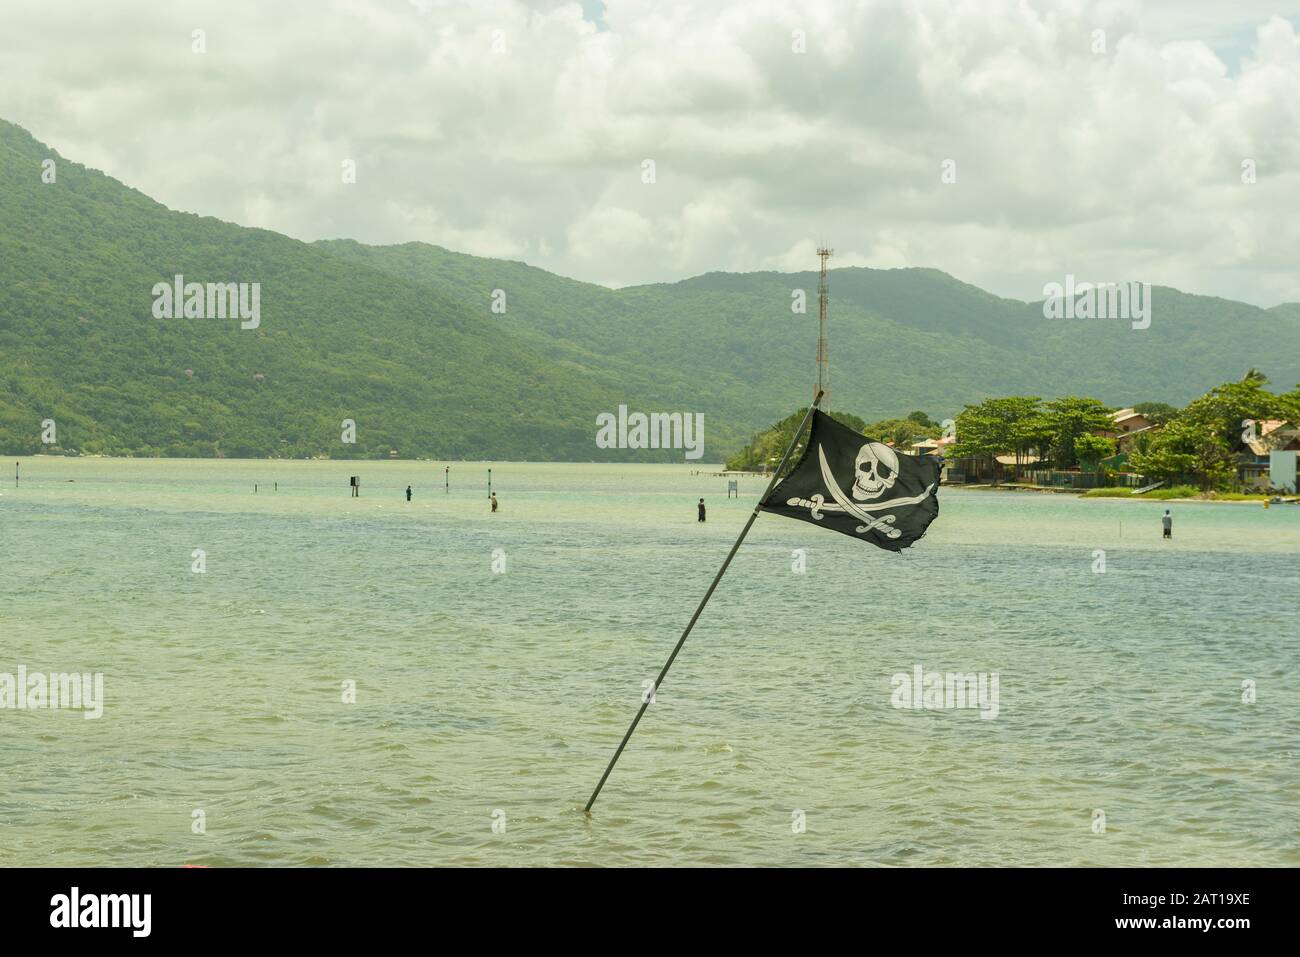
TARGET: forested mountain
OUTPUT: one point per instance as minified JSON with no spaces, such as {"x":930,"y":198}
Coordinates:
{"x":404,"y":340}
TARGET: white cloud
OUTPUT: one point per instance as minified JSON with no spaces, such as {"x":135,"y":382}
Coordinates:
{"x":1122,"y":164}
{"x":604,"y":228}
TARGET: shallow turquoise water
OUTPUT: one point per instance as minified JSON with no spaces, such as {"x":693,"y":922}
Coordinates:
{"x":480,"y":692}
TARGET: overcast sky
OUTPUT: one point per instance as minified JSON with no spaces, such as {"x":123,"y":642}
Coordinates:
{"x":520,"y":130}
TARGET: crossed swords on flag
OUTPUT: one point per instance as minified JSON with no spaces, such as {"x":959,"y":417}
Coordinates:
{"x":817,"y":504}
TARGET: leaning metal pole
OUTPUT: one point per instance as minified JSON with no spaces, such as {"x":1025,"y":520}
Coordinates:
{"x":646,"y":698}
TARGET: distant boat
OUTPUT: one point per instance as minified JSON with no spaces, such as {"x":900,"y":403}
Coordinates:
{"x":1147,"y":488}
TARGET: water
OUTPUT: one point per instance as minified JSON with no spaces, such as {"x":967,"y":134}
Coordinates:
{"x":480,"y":692}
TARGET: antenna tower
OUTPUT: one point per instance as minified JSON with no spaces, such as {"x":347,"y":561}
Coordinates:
{"x":823,"y":357}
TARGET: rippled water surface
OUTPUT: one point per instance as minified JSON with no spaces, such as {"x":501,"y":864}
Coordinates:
{"x":477,"y":692}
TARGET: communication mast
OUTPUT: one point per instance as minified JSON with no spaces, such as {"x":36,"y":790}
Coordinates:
{"x":823,"y":357}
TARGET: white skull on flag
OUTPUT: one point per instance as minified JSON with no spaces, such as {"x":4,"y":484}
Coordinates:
{"x":875,"y":471}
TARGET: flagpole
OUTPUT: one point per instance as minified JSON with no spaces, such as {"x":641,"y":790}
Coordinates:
{"x":704,"y":601}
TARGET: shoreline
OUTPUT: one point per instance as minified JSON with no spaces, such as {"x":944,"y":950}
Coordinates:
{"x":1083,"y":493}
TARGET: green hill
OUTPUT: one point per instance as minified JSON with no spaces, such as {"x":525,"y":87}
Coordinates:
{"x":403,"y":340}
{"x":416,"y":369}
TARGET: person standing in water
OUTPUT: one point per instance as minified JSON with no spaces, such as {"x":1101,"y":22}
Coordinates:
{"x":494,"y":501}
{"x":408,"y":493}
{"x":701,"y":508}
{"x":1168,"y":523}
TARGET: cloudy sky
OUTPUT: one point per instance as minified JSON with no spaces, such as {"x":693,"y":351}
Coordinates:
{"x":1102,"y":138}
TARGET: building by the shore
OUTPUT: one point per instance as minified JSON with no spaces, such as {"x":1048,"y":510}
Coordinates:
{"x":1268,"y":460}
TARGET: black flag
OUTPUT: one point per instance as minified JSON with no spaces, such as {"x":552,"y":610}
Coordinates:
{"x":860,"y":487}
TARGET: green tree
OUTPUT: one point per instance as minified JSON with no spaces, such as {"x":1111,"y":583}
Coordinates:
{"x":1034,"y":434}
{"x":1162,"y":464}
{"x":1091,"y":449}
{"x":1288,"y":406}
{"x":1187,"y":451}
{"x":901,"y":432}
{"x":1202,"y":443}
{"x":1227,"y":410}
{"x":1068,"y":420}
{"x":994,"y":427}
{"x":764,"y":449}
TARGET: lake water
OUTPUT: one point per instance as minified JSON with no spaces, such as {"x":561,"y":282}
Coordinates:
{"x":487,"y":697}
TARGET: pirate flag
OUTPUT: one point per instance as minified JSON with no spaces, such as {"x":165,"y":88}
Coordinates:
{"x":861,"y":488}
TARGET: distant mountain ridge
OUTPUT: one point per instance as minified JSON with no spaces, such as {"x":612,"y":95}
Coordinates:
{"x":404,"y":341}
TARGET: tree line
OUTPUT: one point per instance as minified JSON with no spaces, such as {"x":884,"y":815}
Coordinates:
{"x":1197,"y":444}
